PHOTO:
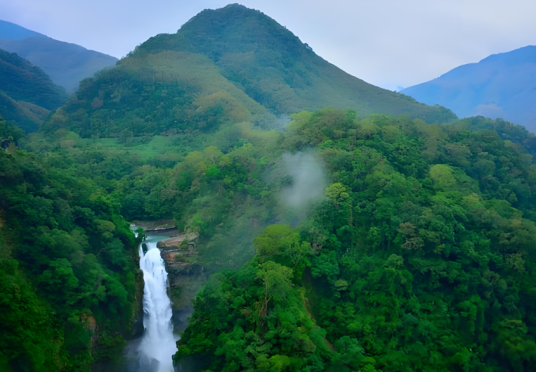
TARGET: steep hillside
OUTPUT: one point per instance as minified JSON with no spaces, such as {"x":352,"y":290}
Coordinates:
{"x":27,"y":94}
{"x":500,"y":86}
{"x":236,"y":61}
{"x":66,"y":64}
{"x":168,"y":92}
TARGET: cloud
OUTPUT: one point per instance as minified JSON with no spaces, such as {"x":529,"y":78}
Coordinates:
{"x":308,"y":181}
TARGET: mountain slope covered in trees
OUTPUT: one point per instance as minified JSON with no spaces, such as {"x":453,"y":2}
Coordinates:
{"x":260,"y":69}
{"x":27,"y":94}
{"x":276,"y":69}
{"x":421,"y":257}
{"x":500,"y":86}
{"x":66,"y":63}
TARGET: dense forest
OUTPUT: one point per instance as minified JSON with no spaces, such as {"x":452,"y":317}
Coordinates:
{"x":67,"y":266}
{"x":420,"y":257}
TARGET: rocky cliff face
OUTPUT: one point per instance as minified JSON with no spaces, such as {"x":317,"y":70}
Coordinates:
{"x":185,"y":275}
{"x":137,"y":323}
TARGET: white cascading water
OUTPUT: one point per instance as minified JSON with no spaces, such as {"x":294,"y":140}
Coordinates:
{"x":158,"y":343}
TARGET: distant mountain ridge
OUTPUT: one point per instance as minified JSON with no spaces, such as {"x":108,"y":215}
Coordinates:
{"x":66,"y":64}
{"x":232,"y":64}
{"x":27,"y":95}
{"x":12,"y":31}
{"x":499,"y":86}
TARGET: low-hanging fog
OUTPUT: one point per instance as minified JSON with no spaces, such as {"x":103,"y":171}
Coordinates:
{"x":307,"y":181}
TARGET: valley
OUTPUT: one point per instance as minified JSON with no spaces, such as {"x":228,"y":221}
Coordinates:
{"x":225,"y":199}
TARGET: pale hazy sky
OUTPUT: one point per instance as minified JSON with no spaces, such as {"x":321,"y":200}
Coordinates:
{"x":389,"y":43}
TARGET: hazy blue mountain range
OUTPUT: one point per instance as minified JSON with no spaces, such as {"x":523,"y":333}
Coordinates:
{"x":500,"y":86}
{"x":66,"y":64}
{"x":27,"y":95}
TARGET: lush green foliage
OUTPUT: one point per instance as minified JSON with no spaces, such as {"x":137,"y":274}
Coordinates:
{"x":9,"y":133}
{"x":67,"y":266}
{"x":25,"y":82}
{"x":177,"y":176}
{"x":421,"y":257}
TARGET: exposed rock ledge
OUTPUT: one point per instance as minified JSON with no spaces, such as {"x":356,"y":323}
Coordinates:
{"x":167,"y":226}
{"x":176,"y":241}
{"x":185,"y":275}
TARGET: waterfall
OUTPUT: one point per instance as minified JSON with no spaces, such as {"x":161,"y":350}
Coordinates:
{"x":158,"y":343}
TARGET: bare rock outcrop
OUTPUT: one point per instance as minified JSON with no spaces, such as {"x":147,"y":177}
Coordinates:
{"x":181,"y":242}
{"x":185,"y":275}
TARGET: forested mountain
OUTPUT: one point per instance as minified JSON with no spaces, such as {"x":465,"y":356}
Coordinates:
{"x":27,"y":94}
{"x":66,"y":64}
{"x":500,"y":86}
{"x":336,"y":238}
{"x":228,"y":65}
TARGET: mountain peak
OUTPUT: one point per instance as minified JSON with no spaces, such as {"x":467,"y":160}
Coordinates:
{"x":238,"y":29}
{"x":232,"y":10}
{"x":232,"y":64}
